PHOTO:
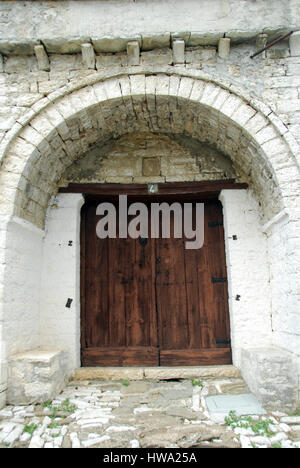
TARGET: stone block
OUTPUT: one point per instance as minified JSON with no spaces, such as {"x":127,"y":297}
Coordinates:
{"x":271,"y":375}
{"x":36,"y":376}
{"x":1,"y":64}
{"x":295,"y":44}
{"x":178,"y":51}
{"x":224,"y":47}
{"x":42,"y":58}
{"x":61,"y":45}
{"x":113,"y":44}
{"x":151,"y":167}
{"x":133,"y":53}
{"x":88,"y":55}
{"x":155,"y":41}
{"x":109,"y":373}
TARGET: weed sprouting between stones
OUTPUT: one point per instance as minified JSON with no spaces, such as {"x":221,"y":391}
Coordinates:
{"x":277,"y":445}
{"x":247,"y":422}
{"x":64,"y":407}
{"x":30,"y":428}
{"x":197,"y":383}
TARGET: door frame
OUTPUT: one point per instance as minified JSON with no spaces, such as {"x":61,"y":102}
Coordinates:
{"x":186,"y":190}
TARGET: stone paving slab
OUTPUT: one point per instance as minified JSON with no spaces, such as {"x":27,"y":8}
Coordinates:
{"x":219,"y":406}
{"x":145,"y":414}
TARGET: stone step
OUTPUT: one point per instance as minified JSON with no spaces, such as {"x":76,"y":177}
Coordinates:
{"x":157,"y":373}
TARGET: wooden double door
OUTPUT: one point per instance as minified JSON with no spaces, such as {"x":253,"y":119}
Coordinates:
{"x":152,"y":302}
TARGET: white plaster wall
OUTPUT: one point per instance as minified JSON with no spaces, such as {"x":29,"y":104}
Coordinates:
{"x":23,"y":259}
{"x":59,"y":325}
{"x":248,"y":272}
{"x":20,"y":267}
{"x":284,"y":280}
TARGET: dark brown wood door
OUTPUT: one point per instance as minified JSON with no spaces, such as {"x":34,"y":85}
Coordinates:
{"x":149,"y":303}
{"x":192,"y":301}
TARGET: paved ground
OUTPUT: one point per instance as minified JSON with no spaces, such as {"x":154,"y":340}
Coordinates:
{"x":142,"y":414}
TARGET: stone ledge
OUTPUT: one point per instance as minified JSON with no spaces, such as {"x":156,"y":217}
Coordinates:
{"x":156,"y":373}
{"x":271,"y":374}
{"x":36,"y":376}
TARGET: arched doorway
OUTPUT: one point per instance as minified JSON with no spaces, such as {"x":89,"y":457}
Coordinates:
{"x":66,"y":127}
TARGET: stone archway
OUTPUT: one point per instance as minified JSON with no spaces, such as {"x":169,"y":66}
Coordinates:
{"x":65,"y":125}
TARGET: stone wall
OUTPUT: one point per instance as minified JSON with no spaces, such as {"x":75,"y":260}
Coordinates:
{"x":147,"y":157}
{"x":273,"y":78}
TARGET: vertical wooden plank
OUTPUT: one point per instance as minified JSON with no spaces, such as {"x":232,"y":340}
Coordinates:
{"x":171,"y":293}
{"x":96,"y":283}
{"x":200,"y":293}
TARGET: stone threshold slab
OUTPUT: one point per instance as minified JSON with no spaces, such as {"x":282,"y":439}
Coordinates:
{"x":157,"y":373}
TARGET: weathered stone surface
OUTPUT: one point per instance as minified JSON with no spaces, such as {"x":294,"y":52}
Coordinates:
{"x":133,"y":53}
{"x":42,"y":58}
{"x":271,"y":375}
{"x":154,"y":41}
{"x":59,"y":45}
{"x":224,"y":47}
{"x":114,"y":44}
{"x":207,"y":373}
{"x":109,"y":373}
{"x":88,"y":56}
{"x":295,"y":44}
{"x":178,"y":47}
{"x":132,"y":423}
{"x":234,"y":388}
{"x":36,"y":376}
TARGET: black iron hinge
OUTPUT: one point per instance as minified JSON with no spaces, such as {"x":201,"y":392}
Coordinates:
{"x":223,"y":341}
{"x":215,"y":223}
{"x":219,"y":280}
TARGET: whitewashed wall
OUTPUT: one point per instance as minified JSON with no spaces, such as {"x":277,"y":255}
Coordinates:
{"x":20,"y":266}
{"x":23,"y":260}
{"x":284,"y":276}
{"x":60,"y":325}
{"x":248,"y":272}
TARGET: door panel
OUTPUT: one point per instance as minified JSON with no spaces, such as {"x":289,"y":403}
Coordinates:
{"x":119,"y":299}
{"x":191,"y":288}
{"x":154,"y":302}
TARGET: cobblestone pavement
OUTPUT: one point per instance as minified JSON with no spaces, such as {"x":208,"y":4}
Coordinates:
{"x":145,"y":414}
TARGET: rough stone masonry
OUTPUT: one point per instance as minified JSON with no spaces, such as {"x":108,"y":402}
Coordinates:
{"x":139,"y":92}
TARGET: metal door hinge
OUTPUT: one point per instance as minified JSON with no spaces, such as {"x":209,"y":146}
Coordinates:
{"x":215,"y":223}
{"x":219,"y":280}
